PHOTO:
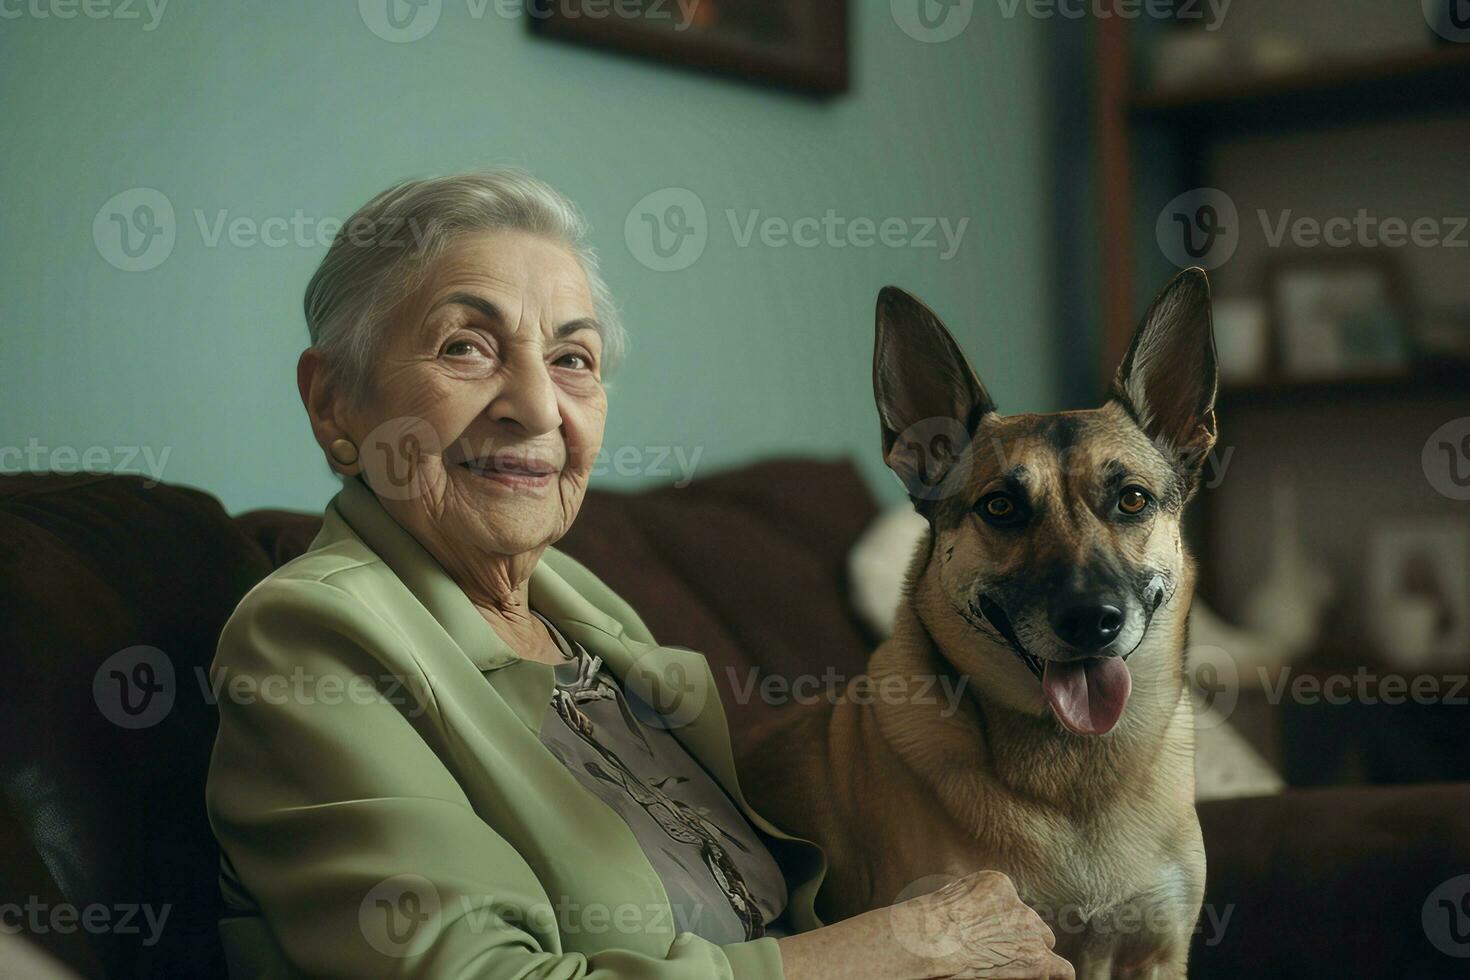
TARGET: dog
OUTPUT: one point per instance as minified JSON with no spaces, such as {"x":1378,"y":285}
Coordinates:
{"x":1054,"y":584}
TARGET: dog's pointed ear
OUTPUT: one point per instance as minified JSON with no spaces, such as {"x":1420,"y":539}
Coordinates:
{"x":1168,"y":379}
{"x":929,"y":399}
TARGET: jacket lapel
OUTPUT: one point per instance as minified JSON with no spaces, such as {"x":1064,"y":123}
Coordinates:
{"x":675,"y":683}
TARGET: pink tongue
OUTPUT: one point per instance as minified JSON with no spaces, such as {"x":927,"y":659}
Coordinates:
{"x":1088,"y":696}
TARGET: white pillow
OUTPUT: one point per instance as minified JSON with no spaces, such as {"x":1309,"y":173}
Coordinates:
{"x":878,"y":563}
{"x":1225,"y":764}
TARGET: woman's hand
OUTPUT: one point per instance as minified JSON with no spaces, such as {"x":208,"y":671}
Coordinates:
{"x":976,"y":928}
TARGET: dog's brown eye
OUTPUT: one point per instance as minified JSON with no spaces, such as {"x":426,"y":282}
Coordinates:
{"x":1133,"y":500}
{"x":1000,"y":508}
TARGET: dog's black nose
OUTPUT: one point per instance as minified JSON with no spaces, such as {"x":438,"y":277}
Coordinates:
{"x":1087,"y":621}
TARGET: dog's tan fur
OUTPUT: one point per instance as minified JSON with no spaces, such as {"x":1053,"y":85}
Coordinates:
{"x":1098,"y":832}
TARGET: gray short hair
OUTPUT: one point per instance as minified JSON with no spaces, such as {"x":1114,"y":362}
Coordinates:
{"x":382,"y":253}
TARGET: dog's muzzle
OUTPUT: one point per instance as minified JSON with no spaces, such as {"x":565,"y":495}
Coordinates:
{"x":1001,"y":623}
{"x":1155,"y":594}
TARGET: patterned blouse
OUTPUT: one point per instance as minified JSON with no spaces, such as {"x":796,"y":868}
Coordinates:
{"x":722,"y":882}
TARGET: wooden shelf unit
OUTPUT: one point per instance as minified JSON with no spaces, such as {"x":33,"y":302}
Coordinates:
{"x":1427,"y":381}
{"x":1400,"y":86}
{"x":1326,"y":93}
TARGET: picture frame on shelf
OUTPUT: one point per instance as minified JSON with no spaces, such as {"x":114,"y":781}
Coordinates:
{"x":1442,"y":335}
{"x":1338,"y":315}
{"x":1418,"y":592}
{"x":794,"y":44}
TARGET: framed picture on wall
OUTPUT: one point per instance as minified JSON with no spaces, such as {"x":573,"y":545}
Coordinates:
{"x":798,"y":44}
{"x":1338,"y":315}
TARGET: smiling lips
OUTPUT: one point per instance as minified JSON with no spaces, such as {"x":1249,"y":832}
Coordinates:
{"x":513,"y":471}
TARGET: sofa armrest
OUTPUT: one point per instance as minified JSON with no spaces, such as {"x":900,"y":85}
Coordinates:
{"x":1330,"y":882}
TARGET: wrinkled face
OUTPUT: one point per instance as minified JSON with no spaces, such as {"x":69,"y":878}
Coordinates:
{"x":1062,"y":538}
{"x":487,"y":406}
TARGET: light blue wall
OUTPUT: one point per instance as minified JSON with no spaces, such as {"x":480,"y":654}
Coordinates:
{"x":270,"y":110}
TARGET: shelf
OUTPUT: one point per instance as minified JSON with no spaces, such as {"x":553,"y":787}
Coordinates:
{"x":1424,"y":383}
{"x":1367,"y":674}
{"x":1323,"y":93}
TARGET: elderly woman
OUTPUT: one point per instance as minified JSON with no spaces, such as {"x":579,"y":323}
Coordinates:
{"x":452,"y":765}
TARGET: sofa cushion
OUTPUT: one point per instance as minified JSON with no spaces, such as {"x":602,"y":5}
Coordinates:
{"x":112,"y":595}
{"x":747,"y":567}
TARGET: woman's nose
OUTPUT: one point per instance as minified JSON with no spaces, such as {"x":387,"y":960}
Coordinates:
{"x":528,"y":399}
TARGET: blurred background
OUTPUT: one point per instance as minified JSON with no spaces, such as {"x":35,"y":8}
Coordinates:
{"x":1313,"y":156}
{"x":754,"y":172}
{"x":260,"y":112}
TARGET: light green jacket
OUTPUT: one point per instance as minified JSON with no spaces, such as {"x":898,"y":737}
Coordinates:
{"x":391,"y":809}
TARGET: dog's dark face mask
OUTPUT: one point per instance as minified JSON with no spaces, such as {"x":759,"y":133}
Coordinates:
{"x":1056,"y":538}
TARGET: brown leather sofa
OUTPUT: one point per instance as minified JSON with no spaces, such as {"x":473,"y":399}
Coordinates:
{"x":102,"y":806}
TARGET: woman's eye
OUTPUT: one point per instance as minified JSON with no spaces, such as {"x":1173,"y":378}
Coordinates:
{"x":1002,"y":509}
{"x":1134,"y":500}
{"x":577,"y":362}
{"x":460,"y":348}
